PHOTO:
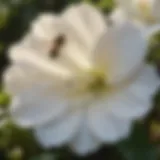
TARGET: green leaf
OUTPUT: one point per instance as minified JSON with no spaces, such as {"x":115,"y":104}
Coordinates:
{"x":4,"y":99}
{"x":5,"y":134}
{"x":157,"y":100}
{"x":137,"y":146}
{"x":105,"y":5}
{"x":4,"y":14}
{"x":15,"y":154}
{"x":24,"y":139}
{"x":153,"y":55}
{"x":18,"y":142}
{"x":44,"y":156}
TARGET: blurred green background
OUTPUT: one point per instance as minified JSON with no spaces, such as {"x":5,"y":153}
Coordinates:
{"x":19,"y":144}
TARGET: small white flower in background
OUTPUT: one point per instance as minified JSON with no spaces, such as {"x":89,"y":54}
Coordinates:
{"x":77,"y":82}
{"x":146,"y":12}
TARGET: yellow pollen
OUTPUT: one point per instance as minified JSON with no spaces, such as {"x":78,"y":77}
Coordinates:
{"x":145,"y":10}
{"x":98,"y":82}
{"x":144,"y":6}
{"x":91,"y":81}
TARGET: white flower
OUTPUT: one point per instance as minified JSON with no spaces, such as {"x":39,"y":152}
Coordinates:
{"x":144,"y":11}
{"x":77,"y":82}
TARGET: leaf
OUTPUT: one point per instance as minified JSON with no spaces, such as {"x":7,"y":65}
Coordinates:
{"x":44,"y":156}
{"x":5,"y":134}
{"x":4,"y":14}
{"x":15,"y":154}
{"x":4,"y":99}
{"x":137,"y":146}
{"x":105,"y":5}
{"x":24,"y":139}
{"x":153,"y":55}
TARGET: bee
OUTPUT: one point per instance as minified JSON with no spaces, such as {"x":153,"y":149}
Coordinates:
{"x":57,"y":45}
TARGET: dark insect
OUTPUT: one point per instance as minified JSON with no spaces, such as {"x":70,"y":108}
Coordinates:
{"x":57,"y":44}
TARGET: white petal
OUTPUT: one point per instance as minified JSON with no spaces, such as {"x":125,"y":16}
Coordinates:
{"x":37,"y":47}
{"x":105,"y":126}
{"x":150,"y":30}
{"x":84,"y":142}
{"x":117,"y":16}
{"x":123,"y":3}
{"x":16,"y":78}
{"x":79,"y":38}
{"x":37,"y":105}
{"x":56,"y":133}
{"x":46,"y":26}
{"x":93,"y":19}
{"x":156,"y":9}
{"x":127,"y":6}
{"x":87,"y":21}
{"x":121,"y":51}
{"x":30,"y":57}
{"x":24,"y":75}
{"x":44,"y":30}
{"x":71,"y":55}
{"x":148,"y":16}
{"x":135,"y":101}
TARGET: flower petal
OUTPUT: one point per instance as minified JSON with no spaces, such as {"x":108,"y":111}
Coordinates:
{"x":150,"y":30}
{"x":36,"y":105}
{"x":121,"y":51}
{"x":146,"y":12}
{"x":30,"y":57}
{"x":105,"y":126}
{"x":135,"y":101}
{"x":84,"y":142}
{"x":87,"y":21}
{"x":156,"y":9}
{"x":56,"y":133}
{"x":40,"y":43}
{"x":117,"y":16}
{"x":16,"y":77}
{"x":71,"y":54}
{"x":46,"y":26}
{"x":125,"y":4}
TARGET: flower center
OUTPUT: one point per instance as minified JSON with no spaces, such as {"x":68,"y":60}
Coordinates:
{"x":97,"y":83}
{"x":91,"y":81}
{"x":144,"y":8}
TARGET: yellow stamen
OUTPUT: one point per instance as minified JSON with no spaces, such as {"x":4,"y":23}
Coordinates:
{"x":90,"y":81}
{"x":145,"y":10}
{"x":98,"y":81}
